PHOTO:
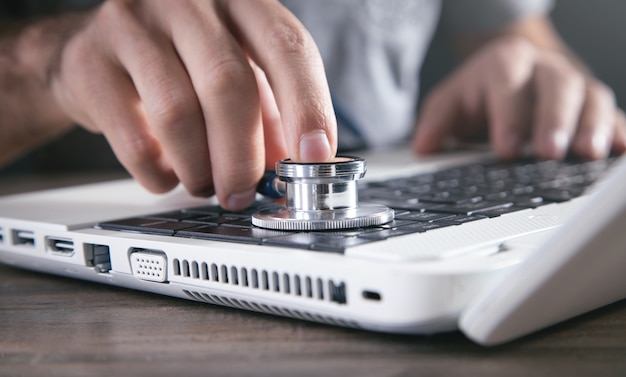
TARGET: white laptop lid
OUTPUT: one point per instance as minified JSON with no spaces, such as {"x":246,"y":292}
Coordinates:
{"x":579,"y":268}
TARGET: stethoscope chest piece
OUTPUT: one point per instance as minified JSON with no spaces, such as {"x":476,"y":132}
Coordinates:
{"x":322,"y":196}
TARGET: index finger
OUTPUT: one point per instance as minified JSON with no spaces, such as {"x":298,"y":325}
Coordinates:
{"x":286,"y":52}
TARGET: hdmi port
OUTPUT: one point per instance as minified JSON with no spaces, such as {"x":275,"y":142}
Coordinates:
{"x":60,"y":246}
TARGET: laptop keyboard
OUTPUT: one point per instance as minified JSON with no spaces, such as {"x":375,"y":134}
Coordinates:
{"x":422,"y":202}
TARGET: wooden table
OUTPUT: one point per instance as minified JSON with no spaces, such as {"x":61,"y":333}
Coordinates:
{"x":56,"y":326}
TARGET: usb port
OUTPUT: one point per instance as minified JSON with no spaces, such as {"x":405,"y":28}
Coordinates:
{"x":60,"y":246}
{"x":23,"y":237}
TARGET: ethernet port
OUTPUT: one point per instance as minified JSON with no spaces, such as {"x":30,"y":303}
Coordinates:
{"x":98,"y":256}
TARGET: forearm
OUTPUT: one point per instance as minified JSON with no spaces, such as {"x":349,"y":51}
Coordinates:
{"x":29,"y":113}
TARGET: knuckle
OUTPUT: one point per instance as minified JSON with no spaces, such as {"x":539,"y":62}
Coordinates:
{"x":558,"y":67}
{"x":573,"y":87}
{"x":138,"y":151}
{"x":115,"y":11}
{"x":602,"y":91}
{"x":512,"y":64}
{"x":288,"y":38}
{"x":519,"y":45}
{"x":117,"y":19}
{"x":574,"y":78}
{"x":225,"y":75}
{"x":171,"y":109}
{"x":511,"y":49}
{"x":510,"y":76}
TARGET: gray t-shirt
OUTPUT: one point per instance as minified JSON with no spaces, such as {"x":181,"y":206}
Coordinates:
{"x":373,"y":52}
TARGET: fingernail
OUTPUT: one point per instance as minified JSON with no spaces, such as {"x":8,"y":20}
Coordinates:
{"x":315,"y":146}
{"x":560,"y":142}
{"x":600,"y":144}
{"x":241,"y":200}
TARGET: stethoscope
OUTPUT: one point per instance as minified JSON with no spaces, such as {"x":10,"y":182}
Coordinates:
{"x":318,"y":196}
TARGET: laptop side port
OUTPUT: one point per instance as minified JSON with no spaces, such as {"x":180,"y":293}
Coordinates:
{"x":98,"y":256}
{"x":23,"y":237}
{"x":59,"y":246}
{"x":150,"y":265}
{"x":337,"y":292}
{"x":372,"y":296}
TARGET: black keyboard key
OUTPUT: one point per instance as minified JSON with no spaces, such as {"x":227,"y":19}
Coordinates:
{"x":410,"y":205}
{"x":231,"y":218}
{"x":172,"y":216}
{"x":530,"y":201}
{"x":424,"y":216}
{"x":146,"y":225}
{"x":558,"y":195}
{"x":206,"y":210}
{"x":397,"y":223}
{"x":244,"y":223}
{"x":418,"y":227}
{"x":460,"y":219}
{"x":473,"y":208}
{"x":202,"y":219}
{"x":252,"y":235}
{"x":446,"y":197}
{"x":523,"y":189}
{"x":502,"y":211}
{"x":498,"y":196}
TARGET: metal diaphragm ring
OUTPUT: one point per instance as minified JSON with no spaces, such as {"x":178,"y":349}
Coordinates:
{"x":322,"y":196}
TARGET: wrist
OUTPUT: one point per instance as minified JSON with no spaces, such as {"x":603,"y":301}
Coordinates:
{"x":29,"y":112}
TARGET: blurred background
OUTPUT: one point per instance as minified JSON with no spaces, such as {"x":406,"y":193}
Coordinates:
{"x":595,"y":30}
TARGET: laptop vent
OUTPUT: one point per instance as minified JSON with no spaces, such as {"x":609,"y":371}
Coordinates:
{"x":268,"y":309}
{"x":258,"y":278}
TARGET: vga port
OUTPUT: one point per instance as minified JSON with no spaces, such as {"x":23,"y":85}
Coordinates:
{"x":149,"y":265}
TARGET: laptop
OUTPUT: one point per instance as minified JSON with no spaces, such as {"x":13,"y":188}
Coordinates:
{"x":496,"y":250}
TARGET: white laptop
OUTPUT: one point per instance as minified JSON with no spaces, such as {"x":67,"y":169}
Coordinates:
{"x":495,"y":250}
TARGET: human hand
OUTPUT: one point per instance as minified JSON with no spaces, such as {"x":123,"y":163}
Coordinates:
{"x":207,"y":93}
{"x":516,"y":92}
